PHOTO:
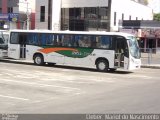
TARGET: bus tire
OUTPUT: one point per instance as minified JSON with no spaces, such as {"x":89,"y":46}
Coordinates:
{"x":38,"y":59}
{"x":51,"y":64}
{"x":102,"y":65}
{"x":112,"y":69}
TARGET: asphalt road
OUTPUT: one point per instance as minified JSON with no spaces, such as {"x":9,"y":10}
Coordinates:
{"x":26,"y":88}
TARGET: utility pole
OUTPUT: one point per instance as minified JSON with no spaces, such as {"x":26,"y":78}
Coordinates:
{"x":28,"y":17}
{"x":27,"y":21}
{"x":56,"y":14}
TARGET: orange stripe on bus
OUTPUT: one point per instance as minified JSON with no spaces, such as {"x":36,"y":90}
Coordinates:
{"x":49,"y":50}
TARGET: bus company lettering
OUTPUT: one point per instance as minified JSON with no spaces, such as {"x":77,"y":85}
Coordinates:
{"x":12,"y":49}
{"x":78,"y":53}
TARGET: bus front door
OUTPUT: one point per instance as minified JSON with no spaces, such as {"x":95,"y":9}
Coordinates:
{"x":121,"y":54}
{"x":18,"y":50}
{"x":13,"y":51}
{"x":22,"y":42}
{"x":22,"y":51}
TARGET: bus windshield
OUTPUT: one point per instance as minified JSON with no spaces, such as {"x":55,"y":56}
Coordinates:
{"x":3,"y":41}
{"x":1,"y":38}
{"x":133,"y":46}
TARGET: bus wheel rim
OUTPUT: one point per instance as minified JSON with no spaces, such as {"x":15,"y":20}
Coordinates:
{"x":102,"y":66}
{"x":38,"y":60}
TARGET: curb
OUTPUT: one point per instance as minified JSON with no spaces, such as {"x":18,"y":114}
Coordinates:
{"x":150,"y":66}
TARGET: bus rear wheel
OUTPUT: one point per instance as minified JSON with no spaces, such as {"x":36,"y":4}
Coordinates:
{"x":38,"y":59}
{"x":102,"y":65}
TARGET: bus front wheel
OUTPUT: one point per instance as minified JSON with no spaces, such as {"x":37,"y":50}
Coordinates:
{"x":38,"y":59}
{"x":102,"y":65}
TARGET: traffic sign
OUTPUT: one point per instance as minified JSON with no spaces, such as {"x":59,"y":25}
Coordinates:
{"x":13,"y":17}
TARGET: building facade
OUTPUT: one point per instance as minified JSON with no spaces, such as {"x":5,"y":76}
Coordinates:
{"x":44,"y":9}
{"x":155,"y":5}
{"x":148,"y":32}
{"x":17,"y":14}
{"x":82,"y":15}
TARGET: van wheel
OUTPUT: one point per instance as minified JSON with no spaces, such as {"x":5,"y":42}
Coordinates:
{"x":102,"y":65}
{"x":38,"y":59}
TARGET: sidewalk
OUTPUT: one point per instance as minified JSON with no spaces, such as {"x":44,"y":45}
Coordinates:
{"x":155,"y":66}
{"x":151,"y":60}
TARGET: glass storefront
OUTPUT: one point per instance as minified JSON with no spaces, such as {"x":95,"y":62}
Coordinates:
{"x":85,"y":19}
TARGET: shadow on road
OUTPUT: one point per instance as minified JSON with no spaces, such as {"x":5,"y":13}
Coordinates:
{"x":63,"y":66}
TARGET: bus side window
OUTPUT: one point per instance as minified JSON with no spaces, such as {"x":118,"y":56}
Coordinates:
{"x":14,"y":38}
{"x":93,"y":41}
{"x":84,"y":41}
{"x":42,"y":39}
{"x":22,"y":38}
{"x":49,"y":39}
{"x":105,"y":42}
{"x":72,"y":40}
{"x":76,"y":41}
{"x":81,"y":41}
{"x":87,"y":41}
{"x":54,"y":40}
{"x":59,"y":40}
{"x":30,"y":38}
{"x":67,"y":40}
{"x":98,"y":42}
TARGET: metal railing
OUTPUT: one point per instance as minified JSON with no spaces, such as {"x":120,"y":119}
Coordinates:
{"x":150,"y":56}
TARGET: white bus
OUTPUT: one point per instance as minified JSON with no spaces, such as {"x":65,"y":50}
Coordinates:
{"x":101,"y":50}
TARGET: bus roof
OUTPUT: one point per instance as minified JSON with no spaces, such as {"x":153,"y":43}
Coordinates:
{"x":74,"y":32}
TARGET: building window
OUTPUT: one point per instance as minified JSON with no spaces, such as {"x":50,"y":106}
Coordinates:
{"x":10,"y":9}
{"x":42,"y":14}
{"x":85,"y":19}
{"x":115,"y":18}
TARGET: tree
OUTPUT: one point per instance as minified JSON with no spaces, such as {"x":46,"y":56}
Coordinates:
{"x":156,"y":17}
{"x":146,"y":2}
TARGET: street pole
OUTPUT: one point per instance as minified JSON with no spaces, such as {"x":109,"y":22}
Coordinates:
{"x":28,"y":18}
{"x":56,"y":15}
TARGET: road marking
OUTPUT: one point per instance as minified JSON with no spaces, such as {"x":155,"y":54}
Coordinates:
{"x":139,"y":76}
{"x":17,"y":98}
{"x":42,"y":85}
